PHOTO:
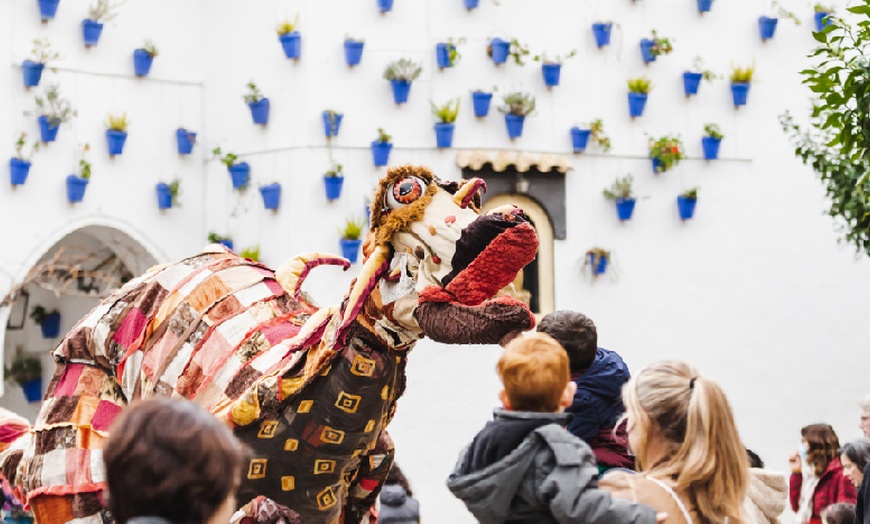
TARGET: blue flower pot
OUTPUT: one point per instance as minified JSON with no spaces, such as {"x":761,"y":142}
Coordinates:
{"x":401,"y":89}
{"x":514,"y":125}
{"x":579,"y":138}
{"x":32,"y":72}
{"x":381,"y":152}
{"x":47,"y":9}
{"x":636,"y":103}
{"x":142,"y":62}
{"x":598,"y":268}
{"x":657,"y":165}
{"x":686,"y":207}
{"x":18,"y":171}
{"x":227,"y":243}
{"x":624,"y":208}
{"x":480,"y":101}
{"x":271,"y":196}
{"x":646,"y":50}
{"x":116,"y":139}
{"x":50,"y":325}
{"x":292,"y":44}
{"x":471,"y":4}
{"x":602,"y":34}
{"x":551,"y":73}
{"x":91,"y":31}
{"x":47,"y":132}
{"x":353,"y":52}
{"x":691,"y":82}
{"x":822,"y":20}
{"x":333,"y":186}
{"x":164,"y":196}
{"x":704,"y":6}
{"x":185,"y":140}
{"x":350,"y":249}
{"x":767,"y":27}
{"x":385,"y":5}
{"x":260,"y":111}
{"x":33,"y":390}
{"x":442,"y":55}
{"x":444,"y":135}
{"x":330,"y":128}
{"x":240,"y":174}
{"x":711,"y":147}
{"x":499,"y":49}
{"x":75,"y":188}
{"x":740,"y":91}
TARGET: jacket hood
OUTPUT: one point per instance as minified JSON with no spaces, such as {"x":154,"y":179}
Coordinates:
{"x":393,"y":495}
{"x":605,"y":376}
{"x":768,"y":491}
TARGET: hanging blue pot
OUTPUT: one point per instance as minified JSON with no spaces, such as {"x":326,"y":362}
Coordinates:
{"x":740,"y":92}
{"x":691,"y":82}
{"x":579,"y":138}
{"x":33,"y":390}
{"x":47,"y":131}
{"x":766,"y":26}
{"x":271,"y":196}
{"x":602,"y":33}
{"x":514,"y":125}
{"x":401,"y":89}
{"x":50,"y":325}
{"x":442,"y":55}
{"x":636,"y":104}
{"x":240,"y":174}
{"x":624,"y":208}
{"x":551,"y":73}
{"x":331,"y":123}
{"x":292,"y":44}
{"x":480,"y":101}
{"x":381,"y":152}
{"x":444,"y":135}
{"x":711,"y":147}
{"x":91,"y":31}
{"x":822,"y":20}
{"x":471,"y":4}
{"x":164,"y":196}
{"x":600,"y":267}
{"x":260,"y":111}
{"x":385,"y":5}
{"x":47,"y":9}
{"x":333,"y":186}
{"x":142,"y":60}
{"x":646,"y":50}
{"x":686,"y":207}
{"x":116,"y":139}
{"x":353,"y":50}
{"x":32,"y":72}
{"x":227,"y":243}
{"x":499,"y":49}
{"x":350,"y":249}
{"x":185,"y":140}
{"x":75,"y":188}
{"x":704,"y":6}
{"x":18,"y":171}
{"x":657,"y":165}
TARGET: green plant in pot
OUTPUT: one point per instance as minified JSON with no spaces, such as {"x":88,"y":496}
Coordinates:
{"x":686,"y":202}
{"x":741,"y":80}
{"x":225,"y":241}
{"x":48,"y":320}
{"x":26,"y":371}
{"x":621,"y":192}
{"x":665,"y":152}
{"x":333,"y":179}
{"x":53,"y":110}
{"x":401,"y":73}
{"x":351,"y":238}
{"x":516,"y":106}
{"x":597,"y":260}
{"x":446,"y":115}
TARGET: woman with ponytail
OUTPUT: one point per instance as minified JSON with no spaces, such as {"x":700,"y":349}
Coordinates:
{"x":690,"y":461}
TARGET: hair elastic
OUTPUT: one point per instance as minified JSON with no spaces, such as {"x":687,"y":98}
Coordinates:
{"x":692,"y":382}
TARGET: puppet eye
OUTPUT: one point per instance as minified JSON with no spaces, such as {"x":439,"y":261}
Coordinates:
{"x":404,"y":192}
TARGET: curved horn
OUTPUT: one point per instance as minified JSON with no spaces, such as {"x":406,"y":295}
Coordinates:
{"x":465,"y":194}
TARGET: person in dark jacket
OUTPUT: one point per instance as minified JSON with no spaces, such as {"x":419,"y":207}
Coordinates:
{"x":398,"y":505}
{"x":599,"y":375}
{"x":862,"y":506}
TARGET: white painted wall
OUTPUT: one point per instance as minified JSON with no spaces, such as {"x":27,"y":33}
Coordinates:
{"x":755,"y":290}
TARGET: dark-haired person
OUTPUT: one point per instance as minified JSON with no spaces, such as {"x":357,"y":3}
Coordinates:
{"x":822,"y":482}
{"x":766,"y":494}
{"x":398,"y":505}
{"x":840,"y":513}
{"x":855,"y":457}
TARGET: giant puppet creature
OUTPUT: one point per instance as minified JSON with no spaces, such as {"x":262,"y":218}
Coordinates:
{"x":310,"y":390}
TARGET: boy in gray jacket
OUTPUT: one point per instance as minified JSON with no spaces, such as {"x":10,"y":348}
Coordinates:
{"x":524,"y":466}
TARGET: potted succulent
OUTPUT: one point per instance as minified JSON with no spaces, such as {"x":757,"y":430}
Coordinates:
{"x":767,"y":24}
{"x":331,"y":122}
{"x":167,"y":194}
{"x":741,"y":80}
{"x":41,"y":54}
{"x":638,"y":91}
{"x":516,"y":106}
{"x":333,"y":179}
{"x":353,"y":49}
{"x":53,"y":111}
{"x":622,"y":194}
{"x":446,"y":53}
{"x":652,"y":48}
{"x":271,"y":194}
{"x":665,"y":152}
{"x":92,"y":26}
{"x":822,"y":16}
{"x":381,"y":147}
{"x":686,"y":203}
{"x":551,"y":68}
{"x":446,"y":115}
{"x":258,"y":103}
{"x":401,"y":73}
{"x":710,"y":142}
{"x":595,"y":130}
{"x":290,"y":38}
{"x":692,"y":78}
{"x":240,"y":173}
{"x":252,"y":253}
{"x":499,"y":50}
{"x":597,"y":260}
{"x":350,"y":238}
{"x":19,"y":165}
{"x":214,"y":238}
{"x":26,"y":371}
{"x":480,"y":100}
{"x":49,"y":321}
{"x":385,"y":6}
{"x":143,"y":58}
{"x":47,"y":9}
{"x":116,"y":133}
{"x":704,"y":6}
{"x":76,"y":185}
{"x":602,"y":31}
{"x":185,"y":140}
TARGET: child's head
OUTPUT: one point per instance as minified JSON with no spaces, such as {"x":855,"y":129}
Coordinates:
{"x":576,"y":333}
{"x":171,"y":459}
{"x":840,"y":513}
{"x":534,"y":372}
